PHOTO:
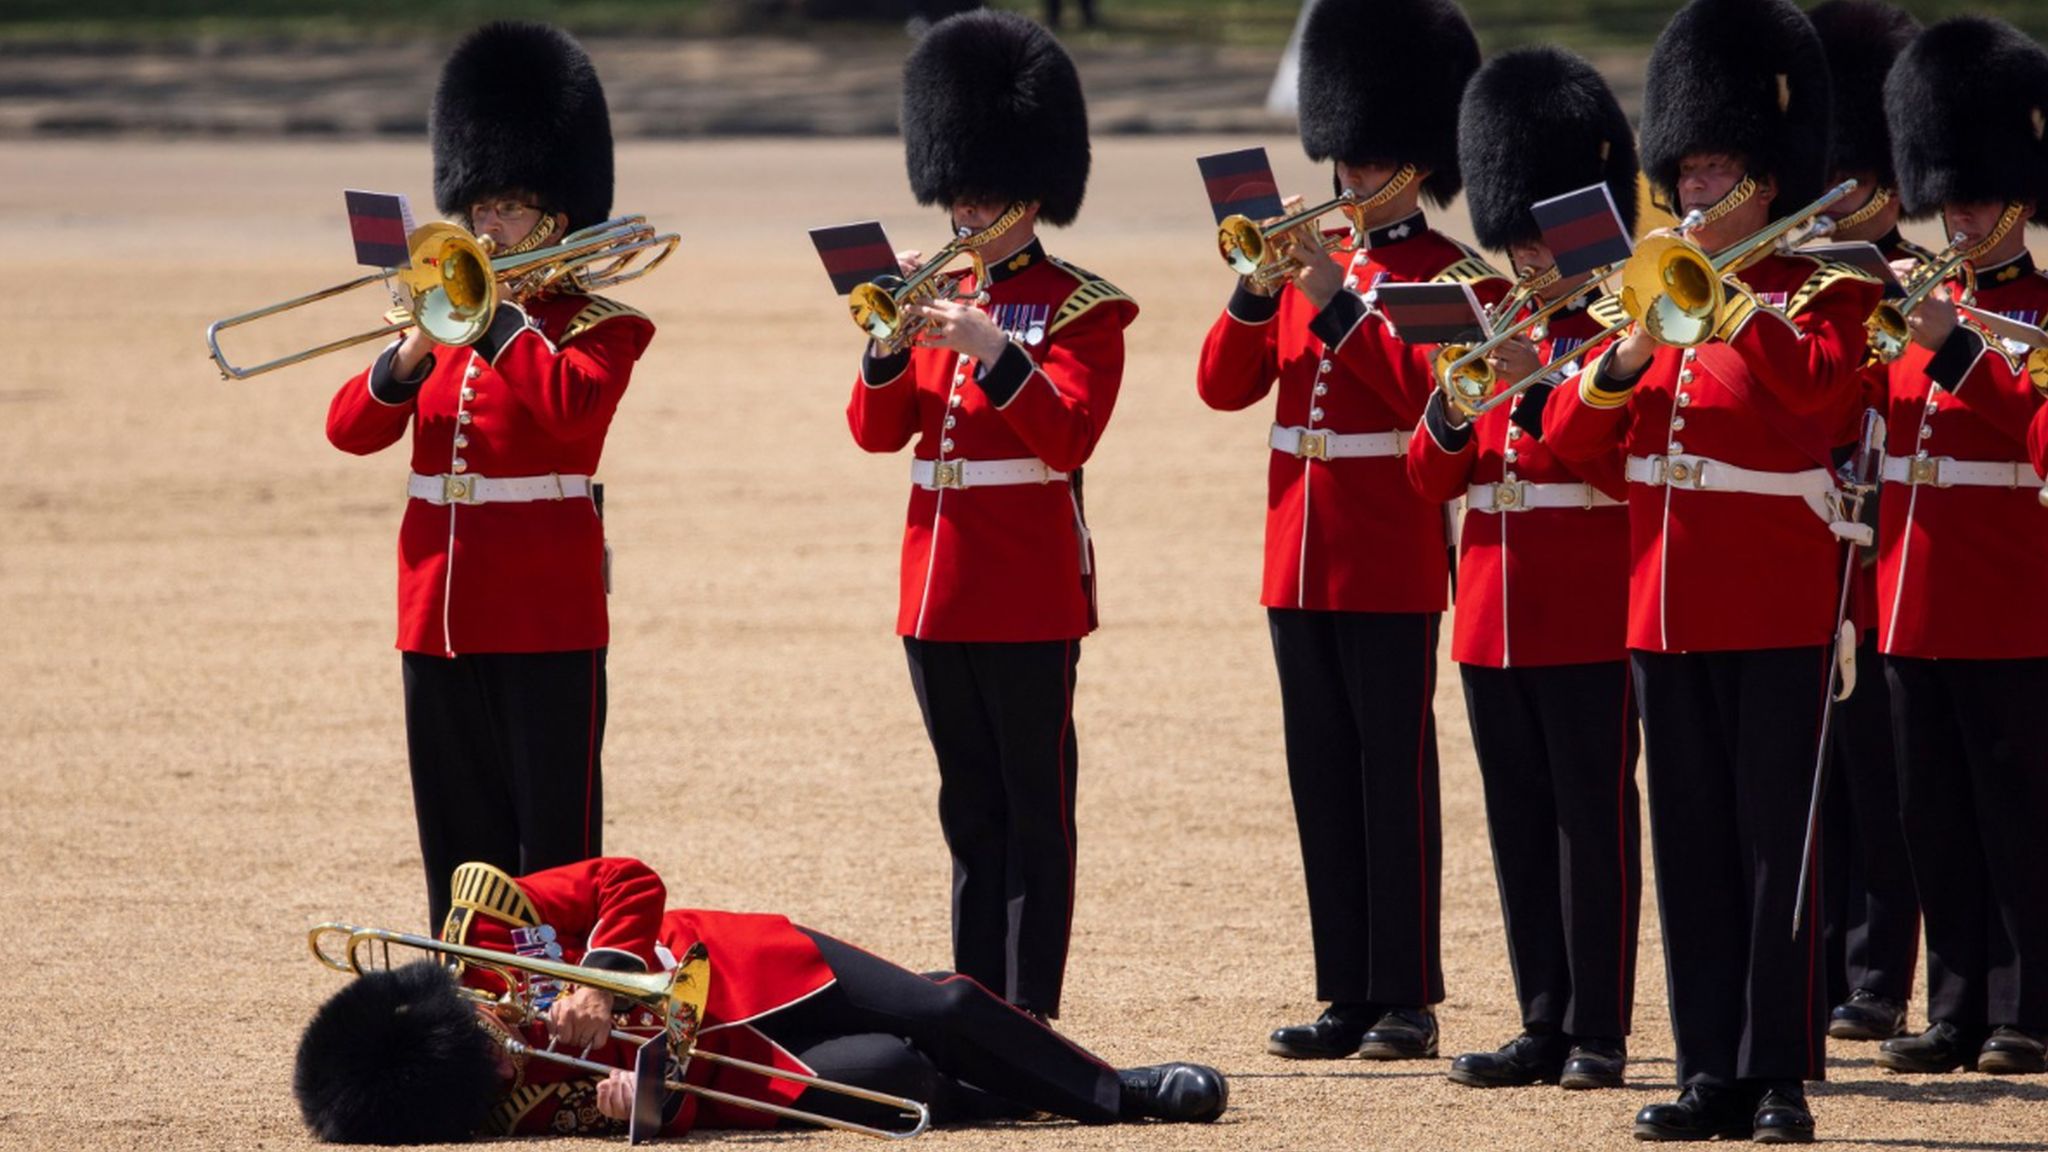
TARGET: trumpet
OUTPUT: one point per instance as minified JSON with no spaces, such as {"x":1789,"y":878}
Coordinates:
{"x":1249,"y":249}
{"x":1677,"y":292}
{"x":675,"y":1000}
{"x":1887,"y":325}
{"x":879,"y":306}
{"x":1462,"y":370}
{"x":451,"y":284}
{"x":1248,"y":246}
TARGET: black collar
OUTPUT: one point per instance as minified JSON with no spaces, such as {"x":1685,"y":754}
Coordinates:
{"x":1407,"y":228}
{"x":1025,"y":257}
{"x":2013,"y":269}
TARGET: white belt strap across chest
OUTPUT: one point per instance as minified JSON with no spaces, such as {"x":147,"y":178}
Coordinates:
{"x":449,"y":488}
{"x":1318,"y":444}
{"x":1521,"y":495}
{"x":1948,"y":472}
{"x":935,"y":474}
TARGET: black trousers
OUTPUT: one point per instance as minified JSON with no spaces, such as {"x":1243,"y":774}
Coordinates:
{"x":1355,"y":697}
{"x":1001,"y":721}
{"x":944,"y":1040}
{"x":1731,"y":739}
{"x":1973,"y":778}
{"x":1557,"y":753}
{"x":1873,"y":909}
{"x":506,"y":752}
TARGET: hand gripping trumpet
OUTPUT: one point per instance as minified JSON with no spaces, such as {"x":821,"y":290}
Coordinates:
{"x":674,"y":1000}
{"x":1887,"y":325}
{"x":881,"y":306}
{"x":451,"y":284}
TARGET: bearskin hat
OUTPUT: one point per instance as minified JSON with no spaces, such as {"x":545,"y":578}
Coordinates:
{"x":1380,"y":83}
{"x":1861,"y":39}
{"x":396,"y":1058}
{"x":992,"y":109}
{"x":1968,"y":107}
{"x":1537,"y":123}
{"x":1743,"y":77}
{"x":519,"y":106}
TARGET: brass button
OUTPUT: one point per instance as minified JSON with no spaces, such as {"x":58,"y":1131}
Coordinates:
{"x":1678,"y":423}
{"x":462,"y":417}
{"x":460,"y":464}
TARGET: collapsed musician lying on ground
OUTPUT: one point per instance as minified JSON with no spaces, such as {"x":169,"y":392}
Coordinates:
{"x":398,"y":1057}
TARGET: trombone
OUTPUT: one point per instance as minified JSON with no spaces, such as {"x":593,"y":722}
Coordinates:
{"x":1248,"y":247}
{"x":1462,"y":370}
{"x":674,"y":999}
{"x":878,"y":306}
{"x":451,"y":284}
{"x":1676,"y":291}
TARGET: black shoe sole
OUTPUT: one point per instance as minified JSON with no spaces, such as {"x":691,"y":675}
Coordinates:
{"x":1476,"y":1080}
{"x":1782,"y":1136}
{"x":1585,"y":1082}
{"x":2007,"y":1064}
{"x":1290,"y":1052}
{"x":1893,"y":1062}
{"x":1850,"y":1030}
{"x":1381,"y":1051}
{"x":1660,"y":1135}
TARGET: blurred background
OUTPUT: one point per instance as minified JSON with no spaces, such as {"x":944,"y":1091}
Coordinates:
{"x":688,"y":68}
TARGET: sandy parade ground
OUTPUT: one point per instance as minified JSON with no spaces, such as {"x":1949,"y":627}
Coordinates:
{"x":201,"y":747}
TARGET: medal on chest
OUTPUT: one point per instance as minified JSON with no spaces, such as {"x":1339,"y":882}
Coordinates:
{"x":1025,"y":322}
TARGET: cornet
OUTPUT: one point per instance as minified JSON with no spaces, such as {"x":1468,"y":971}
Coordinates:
{"x":1887,"y":324}
{"x":880,"y":306}
{"x":1248,"y":246}
{"x":674,"y":999}
{"x":451,"y":284}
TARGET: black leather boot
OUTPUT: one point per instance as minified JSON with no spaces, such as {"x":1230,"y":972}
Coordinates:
{"x":1183,"y":1093}
{"x":1701,"y":1112}
{"x":1334,"y":1035}
{"x":1942,"y":1048}
{"x":2012,"y":1052}
{"x":1527,"y":1059}
{"x":1866,"y":1016}
{"x":1782,"y":1116}
{"x":1595,"y":1063}
{"x":1401,"y":1034}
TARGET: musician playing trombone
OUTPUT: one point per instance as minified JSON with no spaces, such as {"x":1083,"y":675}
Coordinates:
{"x":502,"y":626}
{"x":400,"y":1056}
{"x":1728,"y":416}
{"x":1355,"y":560}
{"x":1963,"y":544}
{"x":1543,"y":593}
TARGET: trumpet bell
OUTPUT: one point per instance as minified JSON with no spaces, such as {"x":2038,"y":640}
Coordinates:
{"x":873,"y":307}
{"x":1887,"y":333}
{"x":1466,"y":382}
{"x":1242,"y":244}
{"x":1673,"y":289}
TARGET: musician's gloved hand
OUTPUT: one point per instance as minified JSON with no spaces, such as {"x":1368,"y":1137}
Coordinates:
{"x":615,"y":1095}
{"x":581,"y":1018}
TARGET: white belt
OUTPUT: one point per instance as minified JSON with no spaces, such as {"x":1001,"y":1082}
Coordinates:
{"x":1713,"y":476}
{"x":936,"y":474}
{"x":464,"y":489}
{"x":1946,"y":472}
{"x":1318,"y":444}
{"x":1518,"y":495}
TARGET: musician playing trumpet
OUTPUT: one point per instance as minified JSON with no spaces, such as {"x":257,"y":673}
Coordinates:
{"x":1543,"y":595}
{"x":502,"y":627}
{"x":1963,"y":542}
{"x":1734,"y":584}
{"x":1002,"y":400}
{"x":401,"y":1057}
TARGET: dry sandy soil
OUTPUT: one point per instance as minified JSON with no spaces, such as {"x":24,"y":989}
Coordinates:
{"x":200,"y":739}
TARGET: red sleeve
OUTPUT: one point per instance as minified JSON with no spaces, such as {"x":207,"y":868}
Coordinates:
{"x":1811,"y":362}
{"x":883,"y":411}
{"x":1587,"y":418}
{"x":1241,"y":355}
{"x":572,"y":391}
{"x":1986,"y":381}
{"x":614,"y":902}
{"x":359,"y":423}
{"x":1440,"y":457}
{"x":2037,"y":442}
{"x":1064,"y":401}
{"x":1402,"y":374}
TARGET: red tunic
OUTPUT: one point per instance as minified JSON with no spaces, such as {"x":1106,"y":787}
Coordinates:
{"x":505,"y":577}
{"x":1347,"y":534}
{"x":1721,"y":571}
{"x":1876,"y":382}
{"x":2037,"y":442}
{"x":1960,"y":568}
{"x":1011,"y":562}
{"x":608,"y":913}
{"x":1541,"y":585}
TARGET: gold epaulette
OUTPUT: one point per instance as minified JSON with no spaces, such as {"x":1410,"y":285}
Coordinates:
{"x":1607,"y":311}
{"x":599,"y":310}
{"x":1093,"y":290}
{"x":480,"y":887}
{"x":1826,"y":274}
{"x":1469,"y":270}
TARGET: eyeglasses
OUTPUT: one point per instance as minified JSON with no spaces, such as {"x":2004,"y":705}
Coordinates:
{"x":501,"y":209}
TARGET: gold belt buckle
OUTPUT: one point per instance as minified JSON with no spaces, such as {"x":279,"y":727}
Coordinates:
{"x":1313,"y":446}
{"x":1509,"y":496}
{"x":458,"y":489}
{"x":948,"y":474}
{"x":1924,"y":470}
{"x":1684,"y":473}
